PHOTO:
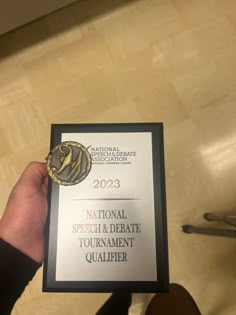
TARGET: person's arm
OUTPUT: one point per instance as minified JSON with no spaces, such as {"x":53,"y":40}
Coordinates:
{"x":22,"y":234}
{"x":16,"y":270}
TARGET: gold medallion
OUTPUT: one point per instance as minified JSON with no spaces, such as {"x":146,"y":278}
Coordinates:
{"x":69,"y":163}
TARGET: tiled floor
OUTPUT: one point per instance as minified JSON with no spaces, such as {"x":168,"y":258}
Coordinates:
{"x":128,"y":61}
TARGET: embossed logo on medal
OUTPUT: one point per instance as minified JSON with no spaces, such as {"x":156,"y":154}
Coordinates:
{"x":69,"y":163}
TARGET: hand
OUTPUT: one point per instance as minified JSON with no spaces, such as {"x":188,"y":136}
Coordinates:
{"x":23,"y":222}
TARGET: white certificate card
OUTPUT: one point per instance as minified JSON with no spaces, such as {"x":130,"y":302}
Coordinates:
{"x":106,"y":223}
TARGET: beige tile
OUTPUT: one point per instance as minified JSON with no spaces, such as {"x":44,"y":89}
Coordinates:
{"x":217,"y":124}
{"x":197,"y":47}
{"x":231,"y":17}
{"x":71,"y":62}
{"x":226,"y":64}
{"x":215,"y":36}
{"x":196,"y":13}
{"x":14,"y":84}
{"x":202,"y":88}
{"x":102,"y":89}
{"x":61,"y":101}
{"x":163,"y":22}
{"x":21,"y":126}
{"x":158,"y":104}
{"x":8,"y":178}
{"x":84,"y":56}
{"x":218,"y":148}
{"x":225,"y":6}
{"x":119,"y":33}
{"x":182,"y":54}
{"x":182,"y":143}
{"x":46,"y":72}
{"x":125,"y":112}
{"x":144,"y":74}
{"x":5,"y":147}
{"x":186,"y":174}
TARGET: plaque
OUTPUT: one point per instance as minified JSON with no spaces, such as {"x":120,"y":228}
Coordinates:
{"x":106,"y":228}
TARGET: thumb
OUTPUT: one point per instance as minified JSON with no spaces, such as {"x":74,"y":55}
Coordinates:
{"x":34,"y":175}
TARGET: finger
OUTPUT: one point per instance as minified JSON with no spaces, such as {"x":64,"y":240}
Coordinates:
{"x":45,"y":185}
{"x":34,"y":174}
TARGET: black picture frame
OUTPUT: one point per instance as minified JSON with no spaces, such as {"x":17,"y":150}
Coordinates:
{"x":162,"y":284}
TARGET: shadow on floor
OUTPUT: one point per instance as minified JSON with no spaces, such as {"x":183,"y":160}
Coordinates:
{"x":40,"y":30}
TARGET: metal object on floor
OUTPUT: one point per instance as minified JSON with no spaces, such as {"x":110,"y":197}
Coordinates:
{"x":229,"y":220}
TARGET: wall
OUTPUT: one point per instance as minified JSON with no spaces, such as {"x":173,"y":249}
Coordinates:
{"x":15,"y":13}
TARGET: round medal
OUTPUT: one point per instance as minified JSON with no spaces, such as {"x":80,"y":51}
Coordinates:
{"x":69,"y":163}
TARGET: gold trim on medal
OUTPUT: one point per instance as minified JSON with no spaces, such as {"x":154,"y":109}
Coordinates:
{"x":69,"y":163}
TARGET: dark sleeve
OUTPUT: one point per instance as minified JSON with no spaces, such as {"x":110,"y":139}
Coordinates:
{"x":16,"y":270}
